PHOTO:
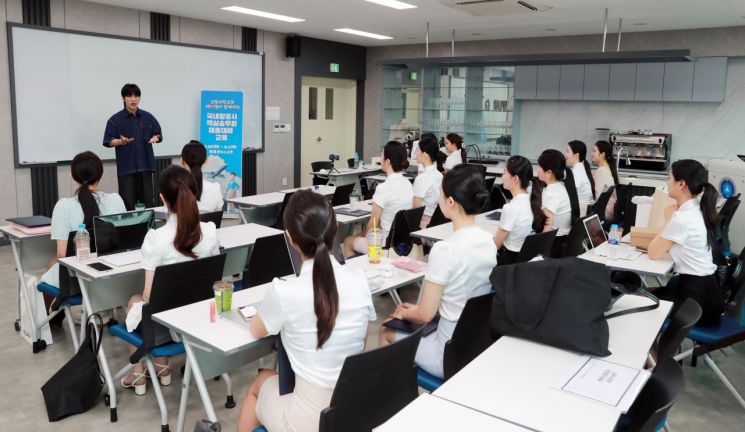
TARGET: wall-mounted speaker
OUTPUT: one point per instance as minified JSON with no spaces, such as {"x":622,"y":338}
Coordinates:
{"x":292,"y":49}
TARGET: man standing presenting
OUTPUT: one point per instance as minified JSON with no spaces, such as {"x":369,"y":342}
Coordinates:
{"x":132,"y":132}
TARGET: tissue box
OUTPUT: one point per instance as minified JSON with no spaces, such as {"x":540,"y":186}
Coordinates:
{"x":642,"y":237}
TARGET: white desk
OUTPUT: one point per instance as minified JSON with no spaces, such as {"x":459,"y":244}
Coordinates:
{"x":441,"y":232}
{"x":321,"y":189}
{"x":108,"y":289}
{"x":30,"y":252}
{"x":343,"y":176}
{"x":343,"y":219}
{"x":642,"y":265}
{"x":432,"y":414}
{"x":390,"y":280}
{"x":263,"y":208}
{"x":216,"y":348}
{"x":514,"y":378}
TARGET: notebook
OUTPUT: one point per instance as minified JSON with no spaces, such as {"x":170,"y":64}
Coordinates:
{"x":31,"y":221}
{"x":348,"y":211}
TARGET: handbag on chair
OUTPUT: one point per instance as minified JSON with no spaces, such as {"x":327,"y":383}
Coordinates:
{"x":75,"y":388}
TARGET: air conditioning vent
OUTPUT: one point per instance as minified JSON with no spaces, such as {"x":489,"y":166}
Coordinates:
{"x":496,"y":7}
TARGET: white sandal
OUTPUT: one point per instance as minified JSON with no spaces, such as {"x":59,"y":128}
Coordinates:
{"x":140,"y":389}
{"x":165,"y":380}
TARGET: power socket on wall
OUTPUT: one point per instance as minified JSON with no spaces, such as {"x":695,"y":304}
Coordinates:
{"x":284,"y":181}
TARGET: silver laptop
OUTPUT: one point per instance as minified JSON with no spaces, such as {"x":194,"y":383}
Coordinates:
{"x":599,"y":240}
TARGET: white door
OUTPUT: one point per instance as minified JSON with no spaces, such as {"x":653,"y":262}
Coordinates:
{"x":328,"y":113}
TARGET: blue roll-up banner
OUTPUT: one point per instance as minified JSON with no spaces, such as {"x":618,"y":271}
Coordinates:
{"x":221,"y":131}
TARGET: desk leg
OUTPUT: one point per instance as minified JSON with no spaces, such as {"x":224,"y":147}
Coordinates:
{"x":243,"y":216}
{"x":185,"y":384}
{"x":421,"y":291}
{"x":103,"y":362}
{"x":199,"y":380}
{"x":22,"y":291}
{"x":15,"y":245}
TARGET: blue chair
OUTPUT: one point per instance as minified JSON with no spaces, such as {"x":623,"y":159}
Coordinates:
{"x":729,"y":331}
{"x":174,"y":285}
{"x":470,"y":338}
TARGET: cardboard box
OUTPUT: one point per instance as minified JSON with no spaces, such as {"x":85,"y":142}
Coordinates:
{"x":642,"y":237}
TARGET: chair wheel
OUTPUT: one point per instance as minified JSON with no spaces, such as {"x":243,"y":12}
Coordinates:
{"x":183,"y":369}
{"x":17,"y":325}
{"x":164,"y":428}
{"x":217,"y":378}
{"x":114,"y":417}
{"x":107,"y":400}
{"x":39,"y":345}
{"x":230,"y":402}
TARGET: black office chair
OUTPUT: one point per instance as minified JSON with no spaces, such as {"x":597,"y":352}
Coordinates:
{"x":269,"y":258}
{"x":481,"y":169}
{"x":404,"y":223}
{"x":497,"y":198}
{"x":575,"y":241}
{"x":341,"y":195}
{"x":489,"y":183}
{"x":174,"y":285}
{"x":649,"y":410}
{"x":214,"y":217}
{"x":350,"y":162}
{"x":279,"y":222}
{"x":625,"y":210}
{"x":678,"y":328}
{"x":438,"y":218}
{"x":317,"y":166}
{"x":601,"y":203}
{"x":536,"y":244}
{"x":726,"y":213}
{"x":372,"y":387}
{"x":367,"y":192}
{"x":470,"y":338}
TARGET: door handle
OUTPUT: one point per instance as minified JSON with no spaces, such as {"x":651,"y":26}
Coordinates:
{"x":318,"y":139}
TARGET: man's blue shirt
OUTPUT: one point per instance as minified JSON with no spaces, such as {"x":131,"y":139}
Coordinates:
{"x":137,"y":156}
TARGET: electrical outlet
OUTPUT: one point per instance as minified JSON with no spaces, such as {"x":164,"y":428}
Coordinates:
{"x":284,"y":181}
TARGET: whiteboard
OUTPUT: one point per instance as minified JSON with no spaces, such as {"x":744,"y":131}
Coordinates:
{"x":65,"y":86}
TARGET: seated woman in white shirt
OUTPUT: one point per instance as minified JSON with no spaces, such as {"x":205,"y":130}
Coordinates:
{"x":605,"y":176}
{"x":458,"y":268}
{"x":523,"y":215}
{"x":688,"y":235}
{"x":576,"y":156}
{"x":456,"y":152}
{"x":209,"y":195}
{"x":86,"y":170}
{"x":394,"y":194}
{"x":182,"y":238}
{"x":427,"y":183}
{"x":322,"y":316}
{"x":559,"y":198}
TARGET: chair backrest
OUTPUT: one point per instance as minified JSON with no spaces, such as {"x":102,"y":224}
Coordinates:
{"x":726,"y":213}
{"x":317,"y":166}
{"x":68,"y":282}
{"x":341,"y":194}
{"x":497,"y":199}
{"x":738,"y":288}
{"x":536,"y":244}
{"x":481,"y":169}
{"x":438,"y":218}
{"x":601,"y":203}
{"x":176,"y":285}
{"x":373,"y":386}
{"x":574,"y":245}
{"x":625,"y":210}
{"x":471,"y":335}
{"x":364,"y":190}
{"x":657,"y":396}
{"x":680,"y":324}
{"x":489,"y":183}
{"x":214,"y":217}
{"x":270,"y":258}
{"x":404,"y":223}
{"x":280,"y":223}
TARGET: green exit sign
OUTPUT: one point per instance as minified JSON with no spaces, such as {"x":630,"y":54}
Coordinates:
{"x":334,"y":67}
{"x":412,"y":76}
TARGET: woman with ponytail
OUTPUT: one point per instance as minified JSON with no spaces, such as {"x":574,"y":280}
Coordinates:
{"x":523,"y":215}
{"x":576,"y":156}
{"x":559,"y":199}
{"x":427,"y":182}
{"x":322,"y":316}
{"x":458,"y":268}
{"x":182,"y":238}
{"x":209,"y":196}
{"x":456,"y":152}
{"x":605,"y":176}
{"x":689,"y":232}
{"x":86,"y":170}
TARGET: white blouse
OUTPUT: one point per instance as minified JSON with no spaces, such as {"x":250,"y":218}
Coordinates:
{"x":158,"y":248}
{"x":394,"y":194}
{"x":582,"y":183}
{"x":556,"y":200}
{"x":453,"y":160}
{"x":691,"y":252}
{"x":211,"y":200}
{"x":517,"y":220}
{"x":427,"y":187}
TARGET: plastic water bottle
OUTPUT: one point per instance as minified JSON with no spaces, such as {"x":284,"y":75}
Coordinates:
{"x":356,"y":160}
{"x":614,"y":240}
{"x":82,"y":244}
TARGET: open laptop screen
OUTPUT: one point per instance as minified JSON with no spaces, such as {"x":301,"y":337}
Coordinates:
{"x":121,"y":232}
{"x":594,"y":231}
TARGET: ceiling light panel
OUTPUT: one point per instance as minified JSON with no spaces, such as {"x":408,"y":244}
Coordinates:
{"x":262,"y":14}
{"x":395,"y":4}
{"x":363,"y":33}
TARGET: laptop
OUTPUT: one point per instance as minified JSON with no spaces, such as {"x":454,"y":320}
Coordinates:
{"x":599,"y":240}
{"x":119,"y":237}
{"x":495,"y":216}
{"x":271,"y":257}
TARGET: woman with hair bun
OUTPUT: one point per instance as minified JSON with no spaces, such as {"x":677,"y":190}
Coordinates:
{"x":458,"y":268}
{"x":209,"y":195}
{"x":456,"y":152}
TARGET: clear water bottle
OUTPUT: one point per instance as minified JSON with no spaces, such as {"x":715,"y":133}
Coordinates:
{"x":82,"y":244}
{"x":356,"y":160}
{"x":614,"y":240}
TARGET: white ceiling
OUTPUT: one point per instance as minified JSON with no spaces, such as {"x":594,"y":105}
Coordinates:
{"x":566,"y":17}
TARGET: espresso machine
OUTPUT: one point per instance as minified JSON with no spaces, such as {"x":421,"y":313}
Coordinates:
{"x":641,"y":150}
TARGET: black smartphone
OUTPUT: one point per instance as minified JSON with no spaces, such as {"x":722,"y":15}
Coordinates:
{"x":99,"y":266}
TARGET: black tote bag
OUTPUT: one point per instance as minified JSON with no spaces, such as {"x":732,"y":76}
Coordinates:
{"x":75,"y":388}
{"x":558,"y":302}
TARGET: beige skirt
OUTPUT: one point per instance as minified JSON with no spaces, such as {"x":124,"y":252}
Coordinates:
{"x":298,"y":411}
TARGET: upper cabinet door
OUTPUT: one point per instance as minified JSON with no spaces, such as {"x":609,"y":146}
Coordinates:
{"x":525,"y":82}
{"x":597,"y":77}
{"x":622,"y":81}
{"x":709,"y":79}
{"x":571,"y":81}
{"x":649,"y":81}
{"x":678,"y":84}
{"x":548,"y":82}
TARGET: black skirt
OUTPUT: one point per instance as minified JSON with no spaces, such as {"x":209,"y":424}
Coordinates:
{"x":506,"y":257}
{"x":704,"y":290}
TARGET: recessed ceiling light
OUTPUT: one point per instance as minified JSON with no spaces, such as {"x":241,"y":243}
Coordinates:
{"x":640,"y":24}
{"x":363,"y":33}
{"x":395,"y":4}
{"x":262,"y":14}
{"x":551,"y":29}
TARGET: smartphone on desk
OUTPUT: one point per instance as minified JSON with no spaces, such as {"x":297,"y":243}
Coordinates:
{"x":99,"y":266}
{"x":247,"y":311}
